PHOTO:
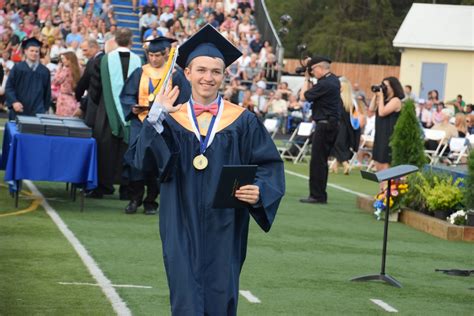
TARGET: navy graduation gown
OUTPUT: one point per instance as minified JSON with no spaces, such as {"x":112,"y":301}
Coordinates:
{"x":129,"y":98}
{"x":31,"y":88}
{"x":204,"y":248}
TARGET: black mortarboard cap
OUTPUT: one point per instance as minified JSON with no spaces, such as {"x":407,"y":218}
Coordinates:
{"x":207,"y":42}
{"x":318,"y":59}
{"x":30,"y":42}
{"x":159,"y":44}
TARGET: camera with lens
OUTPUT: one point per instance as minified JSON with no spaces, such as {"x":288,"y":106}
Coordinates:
{"x":303,"y":55}
{"x":379,"y":87}
{"x":301,"y":70}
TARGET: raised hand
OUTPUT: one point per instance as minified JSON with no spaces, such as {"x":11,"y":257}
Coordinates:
{"x":167,"y":98}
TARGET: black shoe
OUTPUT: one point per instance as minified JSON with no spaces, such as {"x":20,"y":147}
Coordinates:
{"x":312,"y":200}
{"x":131,"y":207}
{"x":94,"y":194}
{"x":150,"y":210}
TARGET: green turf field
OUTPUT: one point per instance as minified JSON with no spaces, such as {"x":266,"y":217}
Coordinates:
{"x":301,"y":267}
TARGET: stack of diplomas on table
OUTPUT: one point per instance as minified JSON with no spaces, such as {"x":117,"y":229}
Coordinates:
{"x":53,"y":125}
{"x":29,"y":125}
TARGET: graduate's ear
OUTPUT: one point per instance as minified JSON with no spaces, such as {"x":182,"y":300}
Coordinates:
{"x":187,"y":72}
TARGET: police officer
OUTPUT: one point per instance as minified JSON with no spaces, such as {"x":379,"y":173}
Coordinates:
{"x":326,"y":109}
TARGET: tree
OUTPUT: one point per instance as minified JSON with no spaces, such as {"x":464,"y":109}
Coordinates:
{"x":407,"y":140}
{"x":359,"y":31}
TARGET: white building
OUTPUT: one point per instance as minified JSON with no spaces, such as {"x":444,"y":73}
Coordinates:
{"x":437,"y":46}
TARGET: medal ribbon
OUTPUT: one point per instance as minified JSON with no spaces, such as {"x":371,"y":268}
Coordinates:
{"x":204,"y":143}
{"x":152,"y":89}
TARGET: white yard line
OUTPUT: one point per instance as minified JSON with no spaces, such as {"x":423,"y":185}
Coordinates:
{"x":250,"y":297}
{"x":114,"y":285}
{"x":2,"y":128}
{"x":335,"y":186}
{"x":384,"y":305}
{"x":119,"y":306}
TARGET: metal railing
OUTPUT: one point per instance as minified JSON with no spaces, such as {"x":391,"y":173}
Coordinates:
{"x":267,"y":30}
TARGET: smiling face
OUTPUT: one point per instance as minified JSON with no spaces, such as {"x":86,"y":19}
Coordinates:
{"x":205,"y":75}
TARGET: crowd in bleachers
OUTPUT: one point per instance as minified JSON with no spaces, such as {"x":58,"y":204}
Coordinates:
{"x":62,"y":26}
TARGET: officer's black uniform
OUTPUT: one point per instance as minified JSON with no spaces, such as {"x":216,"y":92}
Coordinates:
{"x":326,"y":109}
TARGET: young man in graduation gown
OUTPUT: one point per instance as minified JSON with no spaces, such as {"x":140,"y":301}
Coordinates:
{"x":110,"y":128}
{"x":28,"y":89}
{"x":204,"y":248}
{"x":139,"y":93}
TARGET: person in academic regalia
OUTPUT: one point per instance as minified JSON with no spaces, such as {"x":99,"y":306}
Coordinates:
{"x":28,"y":89}
{"x":111,"y":131}
{"x":204,"y":248}
{"x":139,"y":90}
{"x":88,"y":108}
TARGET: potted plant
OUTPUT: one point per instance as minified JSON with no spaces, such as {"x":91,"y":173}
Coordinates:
{"x":398,"y":189}
{"x":443,"y":197}
{"x":414,"y":198}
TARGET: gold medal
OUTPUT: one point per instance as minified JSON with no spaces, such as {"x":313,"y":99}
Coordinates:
{"x":200,"y":162}
{"x":151,"y":97}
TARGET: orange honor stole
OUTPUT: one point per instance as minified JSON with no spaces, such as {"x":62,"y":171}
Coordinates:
{"x":153,"y":75}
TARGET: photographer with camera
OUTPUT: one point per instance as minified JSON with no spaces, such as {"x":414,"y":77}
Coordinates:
{"x":326,"y":107}
{"x":386,"y":103}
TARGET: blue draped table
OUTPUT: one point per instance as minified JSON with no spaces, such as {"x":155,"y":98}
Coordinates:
{"x":48,"y":158}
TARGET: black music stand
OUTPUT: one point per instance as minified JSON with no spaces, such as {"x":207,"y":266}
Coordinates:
{"x":385,"y":175}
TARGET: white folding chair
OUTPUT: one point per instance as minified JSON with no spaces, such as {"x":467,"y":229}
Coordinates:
{"x":439,"y":137}
{"x":459,"y":148}
{"x":271,"y":125}
{"x":364,"y":141}
{"x":298,"y":142}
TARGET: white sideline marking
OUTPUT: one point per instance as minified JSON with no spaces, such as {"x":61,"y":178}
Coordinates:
{"x":114,"y":285}
{"x":335,"y":186}
{"x":384,"y":305}
{"x":250,"y":297}
{"x":2,"y":128}
{"x":119,"y":306}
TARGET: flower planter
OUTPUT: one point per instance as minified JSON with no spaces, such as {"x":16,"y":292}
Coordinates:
{"x":442,"y":214}
{"x":428,"y":224}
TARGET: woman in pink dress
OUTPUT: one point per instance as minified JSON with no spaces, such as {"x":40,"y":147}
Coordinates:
{"x":67,"y":77}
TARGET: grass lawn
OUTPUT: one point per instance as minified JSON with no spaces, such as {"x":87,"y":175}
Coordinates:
{"x":301,"y":267}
